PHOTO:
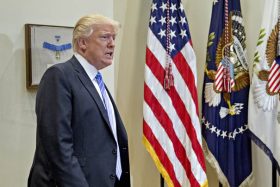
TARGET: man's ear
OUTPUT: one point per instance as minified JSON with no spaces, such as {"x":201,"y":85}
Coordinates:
{"x":82,"y":43}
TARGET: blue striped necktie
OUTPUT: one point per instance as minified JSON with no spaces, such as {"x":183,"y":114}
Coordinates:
{"x":106,"y":102}
{"x":101,"y":85}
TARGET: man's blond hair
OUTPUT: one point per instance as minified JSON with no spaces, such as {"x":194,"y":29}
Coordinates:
{"x":85,"y":26}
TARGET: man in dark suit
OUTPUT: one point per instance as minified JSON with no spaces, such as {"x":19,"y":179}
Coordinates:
{"x":81,"y":140}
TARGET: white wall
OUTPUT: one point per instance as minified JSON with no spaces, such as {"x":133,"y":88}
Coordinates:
{"x":17,"y":117}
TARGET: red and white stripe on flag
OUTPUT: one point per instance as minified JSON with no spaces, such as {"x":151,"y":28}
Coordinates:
{"x":223,"y":80}
{"x":171,"y":127}
{"x":219,"y":78}
{"x":274,"y":78}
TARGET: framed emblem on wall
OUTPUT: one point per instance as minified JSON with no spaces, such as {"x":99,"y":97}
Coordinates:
{"x":45,"y":46}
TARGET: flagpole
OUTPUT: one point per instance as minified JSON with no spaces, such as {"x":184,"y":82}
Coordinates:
{"x":274,"y":169}
{"x":274,"y":176}
{"x":161,"y":181}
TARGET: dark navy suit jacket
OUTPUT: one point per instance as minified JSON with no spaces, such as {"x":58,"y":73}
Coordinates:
{"x":75,"y":146}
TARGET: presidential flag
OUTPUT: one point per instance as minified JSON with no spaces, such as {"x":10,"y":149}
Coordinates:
{"x":264,"y":116}
{"x":225,"y":96}
{"x":171,"y":127}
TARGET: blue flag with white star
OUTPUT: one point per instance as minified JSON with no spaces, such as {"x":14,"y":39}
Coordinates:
{"x":225,"y":96}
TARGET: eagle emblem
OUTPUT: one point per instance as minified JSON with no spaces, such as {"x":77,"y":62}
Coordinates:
{"x":231,"y":74}
{"x":266,"y":91}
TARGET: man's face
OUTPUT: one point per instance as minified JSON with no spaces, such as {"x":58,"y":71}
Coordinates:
{"x":100,"y":46}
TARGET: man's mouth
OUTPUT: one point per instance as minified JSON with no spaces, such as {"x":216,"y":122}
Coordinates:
{"x":109,"y":54}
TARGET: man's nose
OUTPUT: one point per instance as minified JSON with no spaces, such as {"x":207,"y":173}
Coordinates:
{"x":111,"y":42}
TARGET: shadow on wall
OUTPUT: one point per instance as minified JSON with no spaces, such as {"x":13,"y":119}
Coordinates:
{"x":17,"y":103}
{"x":17,"y":116}
{"x":5,"y":53}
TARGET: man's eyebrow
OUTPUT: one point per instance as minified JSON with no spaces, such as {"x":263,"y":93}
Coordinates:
{"x":107,"y":32}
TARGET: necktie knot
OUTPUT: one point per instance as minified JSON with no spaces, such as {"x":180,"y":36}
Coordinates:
{"x":100,"y":83}
{"x":98,"y":77}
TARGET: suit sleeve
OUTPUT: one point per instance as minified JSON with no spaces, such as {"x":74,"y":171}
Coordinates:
{"x":54,"y":111}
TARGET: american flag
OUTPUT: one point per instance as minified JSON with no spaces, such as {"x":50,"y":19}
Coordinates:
{"x":274,"y":77}
{"x":171,"y":127}
{"x":224,"y":79}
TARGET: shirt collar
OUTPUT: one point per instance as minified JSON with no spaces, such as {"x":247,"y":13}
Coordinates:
{"x":89,"y":68}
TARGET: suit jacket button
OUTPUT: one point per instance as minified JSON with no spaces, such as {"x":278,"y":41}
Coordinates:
{"x":114,"y":151}
{"x":112,"y":176}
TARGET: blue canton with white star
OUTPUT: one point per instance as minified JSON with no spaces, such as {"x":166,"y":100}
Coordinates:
{"x":179,"y":29}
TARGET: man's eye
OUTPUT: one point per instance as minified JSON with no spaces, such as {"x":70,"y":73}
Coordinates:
{"x":107,"y":37}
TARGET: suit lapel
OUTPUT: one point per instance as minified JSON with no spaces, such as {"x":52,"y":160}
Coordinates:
{"x":90,"y":88}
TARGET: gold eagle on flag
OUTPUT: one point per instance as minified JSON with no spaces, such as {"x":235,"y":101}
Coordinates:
{"x":264,"y":95}
{"x":237,"y":56}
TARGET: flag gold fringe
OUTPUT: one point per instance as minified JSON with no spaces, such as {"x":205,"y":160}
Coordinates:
{"x":221,"y":176}
{"x":159,"y":165}
{"x":205,"y":184}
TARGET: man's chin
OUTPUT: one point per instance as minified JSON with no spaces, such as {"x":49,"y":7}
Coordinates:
{"x":107,"y":63}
